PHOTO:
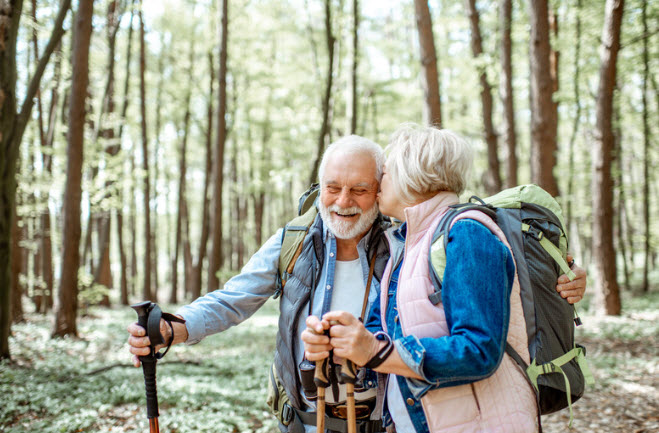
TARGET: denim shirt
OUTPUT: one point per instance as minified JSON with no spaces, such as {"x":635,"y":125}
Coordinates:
{"x":476,"y":289}
{"x":246,"y":292}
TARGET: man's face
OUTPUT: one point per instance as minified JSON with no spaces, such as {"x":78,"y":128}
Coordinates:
{"x":348,"y":194}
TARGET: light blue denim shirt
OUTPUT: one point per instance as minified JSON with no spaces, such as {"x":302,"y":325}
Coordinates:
{"x":246,"y":292}
{"x":476,"y":289}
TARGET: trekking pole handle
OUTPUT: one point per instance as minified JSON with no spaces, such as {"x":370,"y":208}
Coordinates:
{"x":148,"y":363}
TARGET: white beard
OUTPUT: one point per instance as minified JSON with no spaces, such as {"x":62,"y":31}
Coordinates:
{"x":348,"y":229}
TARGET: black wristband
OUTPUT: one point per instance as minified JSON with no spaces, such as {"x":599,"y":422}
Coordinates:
{"x":383,"y":353}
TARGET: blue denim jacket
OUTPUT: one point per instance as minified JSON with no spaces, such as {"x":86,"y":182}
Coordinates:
{"x":476,"y":289}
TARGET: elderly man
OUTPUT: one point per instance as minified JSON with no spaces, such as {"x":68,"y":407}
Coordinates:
{"x":344,"y":244}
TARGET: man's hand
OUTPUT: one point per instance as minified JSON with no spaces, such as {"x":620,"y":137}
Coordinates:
{"x":350,"y":339}
{"x":139,"y":344}
{"x":574,"y":290}
{"x":316,"y":343}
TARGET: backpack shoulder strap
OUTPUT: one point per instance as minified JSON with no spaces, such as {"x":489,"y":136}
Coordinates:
{"x":294,"y":233}
{"x":437,"y":255}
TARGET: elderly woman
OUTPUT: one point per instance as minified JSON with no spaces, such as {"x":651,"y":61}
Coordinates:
{"x":445,"y":364}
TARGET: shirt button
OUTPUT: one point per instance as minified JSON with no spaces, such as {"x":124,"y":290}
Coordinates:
{"x":331,"y":254}
{"x":410,"y":402}
{"x":328,"y":287}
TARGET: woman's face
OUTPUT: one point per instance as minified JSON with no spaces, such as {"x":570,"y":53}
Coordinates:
{"x":387,"y":199}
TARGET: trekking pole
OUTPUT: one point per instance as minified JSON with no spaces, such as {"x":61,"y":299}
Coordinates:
{"x":320,"y":378}
{"x":348,"y":376}
{"x":148,"y":368}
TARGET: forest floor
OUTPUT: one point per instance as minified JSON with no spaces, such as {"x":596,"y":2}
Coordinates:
{"x":87,"y":384}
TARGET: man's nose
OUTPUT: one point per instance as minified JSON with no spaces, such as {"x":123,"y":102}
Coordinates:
{"x":345,"y":198}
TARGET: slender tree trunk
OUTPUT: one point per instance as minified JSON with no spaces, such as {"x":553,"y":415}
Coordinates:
{"x":619,"y":187}
{"x":507,"y":96}
{"x":646,"y":152}
{"x":16,"y":286}
{"x":182,"y":174}
{"x":355,"y":66}
{"x":607,"y":296}
{"x":493,"y":176}
{"x":577,"y":118}
{"x":544,"y":118}
{"x":66,"y":311}
{"x":148,"y":293}
{"x":195,"y":287}
{"x":325,"y":124}
{"x":12,"y":127}
{"x":125,"y":288}
{"x":216,"y":258}
{"x":429,"y":76}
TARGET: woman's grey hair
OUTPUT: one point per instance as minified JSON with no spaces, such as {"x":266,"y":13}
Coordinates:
{"x":354,"y":144}
{"x":423,"y":160}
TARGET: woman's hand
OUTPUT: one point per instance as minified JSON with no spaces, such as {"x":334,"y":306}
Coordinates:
{"x":316,"y":342}
{"x":350,"y":339}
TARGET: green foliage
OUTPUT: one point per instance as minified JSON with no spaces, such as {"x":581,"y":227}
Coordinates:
{"x":65,"y":385}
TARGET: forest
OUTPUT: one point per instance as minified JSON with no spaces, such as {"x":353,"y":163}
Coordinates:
{"x":149,"y":148}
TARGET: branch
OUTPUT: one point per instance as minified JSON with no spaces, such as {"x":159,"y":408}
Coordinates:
{"x":33,"y":87}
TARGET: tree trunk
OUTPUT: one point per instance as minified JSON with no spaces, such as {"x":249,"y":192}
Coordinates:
{"x":429,"y":77}
{"x":148,"y":294}
{"x":195,"y":286}
{"x":181,"y":184}
{"x":66,"y":312}
{"x":619,"y":187}
{"x":544,"y":118}
{"x":645,"y":287}
{"x":325,"y":123}
{"x":493,"y":176}
{"x":607,"y":296}
{"x":355,"y":67}
{"x":507,"y":96}
{"x":577,"y":119}
{"x":16,"y":264}
{"x":125,"y":288}
{"x":216,"y":258}
{"x":12,"y":127}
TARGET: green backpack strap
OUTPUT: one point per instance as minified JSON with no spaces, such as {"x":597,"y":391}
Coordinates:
{"x":551,"y":249}
{"x":295,"y":232}
{"x":554,"y":366}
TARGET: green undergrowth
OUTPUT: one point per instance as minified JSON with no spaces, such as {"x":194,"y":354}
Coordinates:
{"x":87,"y":384}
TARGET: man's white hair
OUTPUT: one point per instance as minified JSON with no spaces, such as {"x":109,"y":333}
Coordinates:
{"x":352,"y":145}
{"x":423,"y":160}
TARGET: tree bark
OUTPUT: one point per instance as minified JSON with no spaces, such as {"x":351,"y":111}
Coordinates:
{"x":195,"y":286}
{"x":544,"y":118}
{"x":16,"y":265}
{"x":577,"y":118}
{"x":507,"y":96}
{"x":645,"y":287}
{"x":181,"y":184}
{"x":607,"y":296}
{"x":148,"y":293}
{"x":355,"y":66}
{"x":429,"y":76}
{"x":66,"y":311}
{"x":493,"y":176}
{"x":325,"y":123}
{"x":216,"y":258}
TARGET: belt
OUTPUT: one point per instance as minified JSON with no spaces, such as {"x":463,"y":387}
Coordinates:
{"x":338,"y":424}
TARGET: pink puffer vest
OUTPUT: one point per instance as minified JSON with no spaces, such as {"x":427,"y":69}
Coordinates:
{"x":502,"y":403}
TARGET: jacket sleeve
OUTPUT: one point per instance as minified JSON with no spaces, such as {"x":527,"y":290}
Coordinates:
{"x":476,"y":288}
{"x":240,"y":297}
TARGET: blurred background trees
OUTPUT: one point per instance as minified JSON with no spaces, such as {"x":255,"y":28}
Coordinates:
{"x":203,"y":122}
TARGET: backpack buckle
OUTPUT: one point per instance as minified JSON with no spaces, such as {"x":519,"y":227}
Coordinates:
{"x":536,"y":233}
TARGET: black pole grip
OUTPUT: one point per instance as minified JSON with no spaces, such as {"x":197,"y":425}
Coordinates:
{"x":149,"y":370}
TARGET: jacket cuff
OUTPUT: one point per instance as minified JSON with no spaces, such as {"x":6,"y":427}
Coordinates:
{"x":194,"y":323}
{"x":413,"y":354}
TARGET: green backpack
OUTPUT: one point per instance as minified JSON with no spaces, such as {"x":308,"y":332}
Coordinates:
{"x":533,"y":224}
{"x":295,"y":232}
